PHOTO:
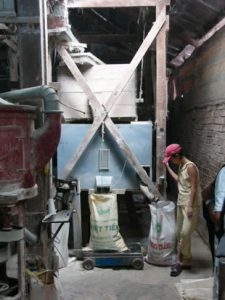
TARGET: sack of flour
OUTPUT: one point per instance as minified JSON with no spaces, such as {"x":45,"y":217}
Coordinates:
{"x":104,"y":229}
{"x":162,"y":234}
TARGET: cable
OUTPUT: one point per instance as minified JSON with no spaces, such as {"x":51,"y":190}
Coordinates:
{"x":124,"y":166}
{"x":72,"y":107}
{"x":141,"y":75}
{"x":61,"y":255}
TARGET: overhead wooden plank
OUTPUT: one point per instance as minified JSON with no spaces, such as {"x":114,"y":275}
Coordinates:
{"x":111,"y":3}
{"x":178,"y":60}
{"x":136,"y":60}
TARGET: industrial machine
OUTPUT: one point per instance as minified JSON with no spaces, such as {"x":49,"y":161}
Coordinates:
{"x":23,"y":151}
{"x":112,"y":155}
{"x":103,"y":165}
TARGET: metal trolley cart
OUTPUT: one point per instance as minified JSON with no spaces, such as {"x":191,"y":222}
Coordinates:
{"x":108,"y":258}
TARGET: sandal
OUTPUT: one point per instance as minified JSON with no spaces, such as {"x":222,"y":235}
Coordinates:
{"x":176,"y":270}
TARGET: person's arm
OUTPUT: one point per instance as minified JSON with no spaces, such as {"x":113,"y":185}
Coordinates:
{"x":217,"y":217}
{"x":172,"y":173}
{"x":193,"y":176}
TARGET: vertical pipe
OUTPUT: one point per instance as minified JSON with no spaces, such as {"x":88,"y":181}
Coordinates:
{"x":43,"y":41}
{"x":77,"y":227}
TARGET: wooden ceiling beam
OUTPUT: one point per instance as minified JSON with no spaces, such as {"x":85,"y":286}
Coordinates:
{"x":189,"y":48}
{"x":112,"y":3}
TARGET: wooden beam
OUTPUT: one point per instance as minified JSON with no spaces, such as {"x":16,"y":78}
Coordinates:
{"x":129,"y":155}
{"x":97,"y":123}
{"x":124,"y":80}
{"x":182,"y":56}
{"x":211,"y":32}
{"x":96,"y":106}
{"x":130,"y":70}
{"x":161,"y":98}
{"x":178,"y":60}
{"x":112,"y":3}
{"x":136,"y":60}
{"x":104,"y":111}
{"x":83,"y":145}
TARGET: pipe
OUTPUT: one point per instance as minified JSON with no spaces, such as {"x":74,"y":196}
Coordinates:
{"x":3,"y":102}
{"x":46,"y":138}
{"x":46,"y":92}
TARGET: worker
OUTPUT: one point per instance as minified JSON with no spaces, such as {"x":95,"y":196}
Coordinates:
{"x":208,"y":202}
{"x":188,"y":204}
{"x":218,"y":219}
{"x":213,"y":212}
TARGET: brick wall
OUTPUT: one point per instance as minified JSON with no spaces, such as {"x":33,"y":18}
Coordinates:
{"x":197,"y":115}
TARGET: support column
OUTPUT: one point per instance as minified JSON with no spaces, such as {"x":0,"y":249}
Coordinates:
{"x":30,"y":45}
{"x":161,"y":99}
{"x":76,"y":219}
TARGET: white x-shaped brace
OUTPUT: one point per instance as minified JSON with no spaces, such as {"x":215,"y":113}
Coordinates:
{"x":101,"y":112}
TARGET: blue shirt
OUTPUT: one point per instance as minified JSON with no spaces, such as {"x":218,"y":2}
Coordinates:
{"x":220,"y":191}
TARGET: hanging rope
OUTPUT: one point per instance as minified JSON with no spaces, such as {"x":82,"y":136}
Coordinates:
{"x":142,"y":71}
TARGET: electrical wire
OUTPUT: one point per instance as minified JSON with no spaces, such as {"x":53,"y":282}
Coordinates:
{"x":141,"y":75}
{"x":82,"y":112}
{"x":122,"y":172}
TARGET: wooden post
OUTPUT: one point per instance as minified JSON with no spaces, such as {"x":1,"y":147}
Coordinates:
{"x":161,"y":98}
{"x":112,"y":3}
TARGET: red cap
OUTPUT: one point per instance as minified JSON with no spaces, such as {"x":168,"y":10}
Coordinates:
{"x":171,"y":150}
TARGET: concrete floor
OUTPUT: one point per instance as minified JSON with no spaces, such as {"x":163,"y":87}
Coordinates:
{"x":151,"y":283}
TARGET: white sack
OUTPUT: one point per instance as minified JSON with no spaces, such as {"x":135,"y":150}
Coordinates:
{"x":104,"y":231}
{"x":162,"y":235}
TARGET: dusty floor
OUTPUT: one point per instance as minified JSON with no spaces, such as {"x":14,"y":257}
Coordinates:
{"x":152,"y":282}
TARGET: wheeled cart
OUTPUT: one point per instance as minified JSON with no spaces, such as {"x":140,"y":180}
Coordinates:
{"x":107,"y":258}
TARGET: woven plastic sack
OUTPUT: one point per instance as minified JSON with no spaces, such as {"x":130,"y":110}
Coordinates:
{"x":162,"y":234}
{"x":104,"y":231}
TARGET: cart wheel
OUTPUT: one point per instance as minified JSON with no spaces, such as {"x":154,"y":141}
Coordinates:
{"x":88,"y":264}
{"x":138,"y":264}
